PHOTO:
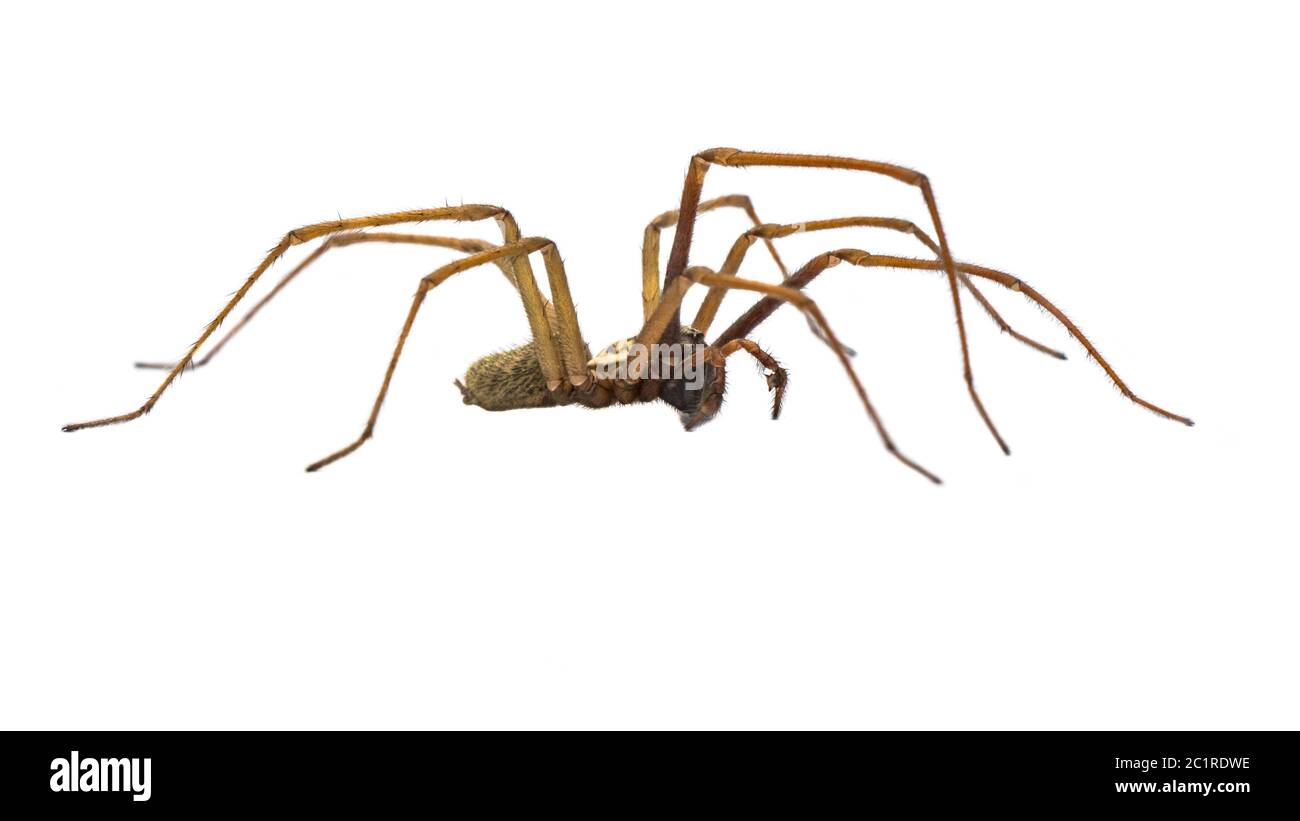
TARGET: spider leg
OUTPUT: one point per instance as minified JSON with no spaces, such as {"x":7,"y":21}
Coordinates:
{"x":766,"y":306}
{"x":653,"y":330}
{"x":468,"y":246}
{"x":713,"y":300}
{"x":777,"y":377}
{"x":552,"y":369}
{"x":668,"y":219}
{"x":731,"y":157}
{"x":461,"y":213}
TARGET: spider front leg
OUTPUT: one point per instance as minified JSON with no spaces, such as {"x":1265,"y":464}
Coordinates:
{"x":765,"y":307}
{"x":553,"y":370}
{"x":713,"y":300}
{"x":731,"y":157}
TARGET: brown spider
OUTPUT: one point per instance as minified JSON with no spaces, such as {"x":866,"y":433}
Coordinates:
{"x":665,"y":360}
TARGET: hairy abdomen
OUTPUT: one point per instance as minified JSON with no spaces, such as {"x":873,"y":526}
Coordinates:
{"x":507,"y":380}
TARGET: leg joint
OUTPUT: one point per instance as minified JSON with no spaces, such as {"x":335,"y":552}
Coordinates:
{"x":718,"y":156}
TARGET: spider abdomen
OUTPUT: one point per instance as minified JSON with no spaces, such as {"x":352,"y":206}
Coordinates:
{"x":507,"y":380}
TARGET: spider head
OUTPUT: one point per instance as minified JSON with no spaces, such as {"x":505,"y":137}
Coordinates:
{"x":696,"y":382}
{"x":691,"y":374}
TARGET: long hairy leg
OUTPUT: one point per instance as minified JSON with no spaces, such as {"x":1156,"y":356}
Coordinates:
{"x":734,"y":158}
{"x":653,"y":329}
{"x":650,"y":246}
{"x":298,"y":236}
{"x":552,"y":368}
{"x":650,"y":254}
{"x":764,"y":308}
{"x":464,"y":245}
{"x":713,"y":300}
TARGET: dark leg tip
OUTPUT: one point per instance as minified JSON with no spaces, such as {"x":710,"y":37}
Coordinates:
{"x":167,"y":366}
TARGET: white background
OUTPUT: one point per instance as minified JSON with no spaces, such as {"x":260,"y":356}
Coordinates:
{"x":566,"y":568}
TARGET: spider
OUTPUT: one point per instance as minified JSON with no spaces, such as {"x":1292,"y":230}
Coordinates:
{"x":557,"y":368}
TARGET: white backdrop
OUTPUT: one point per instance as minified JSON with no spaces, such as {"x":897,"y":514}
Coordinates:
{"x":567,"y":568}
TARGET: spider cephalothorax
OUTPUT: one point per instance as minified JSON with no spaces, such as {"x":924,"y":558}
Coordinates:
{"x":678,"y":365}
{"x":698,"y":390}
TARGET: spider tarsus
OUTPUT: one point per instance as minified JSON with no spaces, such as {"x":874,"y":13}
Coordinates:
{"x":898,"y":454}
{"x":109,"y":420}
{"x":997,"y":437}
{"x":1036,"y":345}
{"x":194,"y":364}
{"x":1159,"y":411}
{"x":335,"y":456}
{"x":914,"y":466}
{"x":988,"y":421}
{"x":320,"y":463}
